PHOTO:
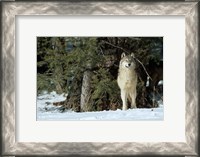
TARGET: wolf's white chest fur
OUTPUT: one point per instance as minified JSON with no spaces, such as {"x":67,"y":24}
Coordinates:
{"x":127,"y":78}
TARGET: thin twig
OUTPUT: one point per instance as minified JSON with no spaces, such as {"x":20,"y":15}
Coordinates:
{"x":102,"y":51}
{"x":134,"y":57}
{"x":143,"y":68}
{"x":116,"y":46}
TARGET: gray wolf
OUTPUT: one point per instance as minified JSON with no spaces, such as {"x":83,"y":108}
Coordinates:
{"x":127,"y":80}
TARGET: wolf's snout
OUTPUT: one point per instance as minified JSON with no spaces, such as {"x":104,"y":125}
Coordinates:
{"x":128,"y":65}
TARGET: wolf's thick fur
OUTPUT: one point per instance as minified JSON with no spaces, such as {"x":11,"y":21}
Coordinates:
{"x":127,"y":80}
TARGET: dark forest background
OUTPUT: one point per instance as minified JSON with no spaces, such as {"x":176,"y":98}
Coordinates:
{"x":86,"y":69}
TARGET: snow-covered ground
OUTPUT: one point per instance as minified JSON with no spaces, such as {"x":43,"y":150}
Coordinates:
{"x":46,"y":111}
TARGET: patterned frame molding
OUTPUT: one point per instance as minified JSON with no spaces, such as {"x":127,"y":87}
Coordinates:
{"x":189,"y":9}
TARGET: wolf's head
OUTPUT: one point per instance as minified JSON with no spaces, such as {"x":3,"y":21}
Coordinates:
{"x":127,"y":61}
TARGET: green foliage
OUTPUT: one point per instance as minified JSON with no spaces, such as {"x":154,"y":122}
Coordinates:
{"x":44,"y":83}
{"x":104,"y":86}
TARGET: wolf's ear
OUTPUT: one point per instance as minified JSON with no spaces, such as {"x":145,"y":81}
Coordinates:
{"x":123,"y":55}
{"x":132,"y":55}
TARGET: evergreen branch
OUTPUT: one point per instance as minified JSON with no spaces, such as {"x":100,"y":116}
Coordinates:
{"x":134,"y":57}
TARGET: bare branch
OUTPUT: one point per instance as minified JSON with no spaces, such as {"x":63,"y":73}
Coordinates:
{"x":143,"y":68}
{"x":116,"y":46}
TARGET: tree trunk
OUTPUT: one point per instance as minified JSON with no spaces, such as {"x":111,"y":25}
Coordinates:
{"x":86,"y":91}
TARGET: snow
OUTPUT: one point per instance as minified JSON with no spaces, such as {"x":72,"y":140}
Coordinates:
{"x":160,"y":82}
{"x":147,"y":83}
{"x":46,"y":111}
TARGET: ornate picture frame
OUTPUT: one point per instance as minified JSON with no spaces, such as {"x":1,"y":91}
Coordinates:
{"x":11,"y":9}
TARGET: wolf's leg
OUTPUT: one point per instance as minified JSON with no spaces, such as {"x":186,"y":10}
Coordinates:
{"x":133,"y":97}
{"x":124,"y":100}
{"x":133,"y":104}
